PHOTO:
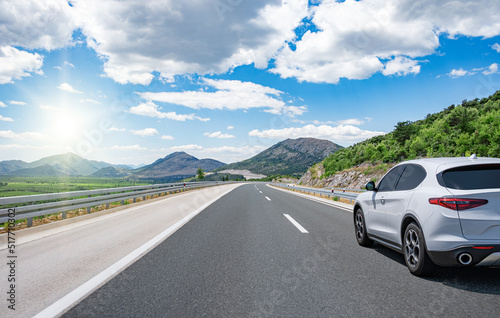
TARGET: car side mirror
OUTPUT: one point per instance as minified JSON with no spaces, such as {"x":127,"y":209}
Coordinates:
{"x":370,"y":186}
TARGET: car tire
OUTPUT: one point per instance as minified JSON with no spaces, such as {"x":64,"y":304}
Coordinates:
{"x":360,"y":229}
{"x":415,"y":253}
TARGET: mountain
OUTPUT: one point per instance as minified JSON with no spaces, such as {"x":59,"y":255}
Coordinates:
{"x":288,"y":157}
{"x":176,"y":166}
{"x":68,"y":164}
{"x":12,"y":165}
{"x":111,"y":172}
{"x":45,"y":170}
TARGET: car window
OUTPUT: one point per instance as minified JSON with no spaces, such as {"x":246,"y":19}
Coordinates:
{"x":388,"y":182}
{"x":473,"y":177}
{"x":411,"y":177}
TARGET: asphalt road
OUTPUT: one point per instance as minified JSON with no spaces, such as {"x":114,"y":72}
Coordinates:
{"x":241,"y":257}
{"x":55,"y":261}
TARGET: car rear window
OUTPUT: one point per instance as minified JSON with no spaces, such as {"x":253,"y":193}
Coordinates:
{"x":473,"y":177}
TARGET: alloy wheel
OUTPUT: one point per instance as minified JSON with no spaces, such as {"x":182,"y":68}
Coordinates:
{"x":412,"y":248}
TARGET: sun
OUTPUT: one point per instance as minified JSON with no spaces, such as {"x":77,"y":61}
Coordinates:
{"x":66,"y":126}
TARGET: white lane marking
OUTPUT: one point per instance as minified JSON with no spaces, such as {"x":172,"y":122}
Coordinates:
{"x":100,"y":279}
{"x":260,"y":191}
{"x":342,"y":206}
{"x":268,"y":198}
{"x":297,"y":225}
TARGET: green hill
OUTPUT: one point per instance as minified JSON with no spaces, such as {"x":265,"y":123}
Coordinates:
{"x":472,"y":127}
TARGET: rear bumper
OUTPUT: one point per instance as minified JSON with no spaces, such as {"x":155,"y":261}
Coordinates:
{"x":479,"y":255}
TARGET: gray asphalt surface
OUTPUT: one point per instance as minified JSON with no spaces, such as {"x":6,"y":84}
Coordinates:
{"x":242,"y":258}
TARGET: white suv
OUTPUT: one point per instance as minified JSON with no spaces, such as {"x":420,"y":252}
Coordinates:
{"x":443,"y":211}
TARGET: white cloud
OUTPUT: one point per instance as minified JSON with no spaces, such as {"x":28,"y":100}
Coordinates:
{"x":359,"y":38}
{"x":117,"y":129}
{"x":321,"y":122}
{"x":15,"y":64}
{"x":51,"y":108}
{"x":132,"y":147}
{"x":167,"y":137}
{"x":457,"y":73}
{"x":186,"y":147}
{"x":496,"y":47}
{"x":65,"y":64}
{"x":228,"y":94}
{"x":293,"y":111}
{"x":68,"y":88}
{"x":137,"y":38}
{"x":17,"y":103}
{"x":2,"y":104}
{"x":401,"y":66}
{"x":352,"y":121}
{"x":68,"y":64}
{"x":150,"y":109}
{"x":354,"y":39}
{"x":5,"y":118}
{"x":218,"y":134}
{"x":229,"y":127}
{"x":45,"y":24}
{"x":341,"y":133}
{"x":89,"y":100}
{"x":492,"y":69}
{"x":145,"y":132}
{"x":9,"y":134}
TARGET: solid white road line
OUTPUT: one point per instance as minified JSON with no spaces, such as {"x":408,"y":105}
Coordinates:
{"x":268,"y":198}
{"x":100,"y":279}
{"x":297,"y":225}
{"x":343,"y":206}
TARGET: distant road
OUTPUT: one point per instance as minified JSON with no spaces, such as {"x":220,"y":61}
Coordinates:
{"x":262,"y":252}
{"x":246,"y":173}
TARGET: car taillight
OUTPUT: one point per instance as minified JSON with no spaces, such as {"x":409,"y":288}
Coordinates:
{"x":458,"y":204}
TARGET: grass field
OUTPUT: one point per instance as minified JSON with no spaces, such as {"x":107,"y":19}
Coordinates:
{"x":17,"y":186}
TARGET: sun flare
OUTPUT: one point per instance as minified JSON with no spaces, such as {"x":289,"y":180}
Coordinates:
{"x":66,"y":126}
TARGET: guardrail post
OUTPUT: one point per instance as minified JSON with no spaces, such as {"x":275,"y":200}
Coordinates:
{"x":88,"y":208}
{"x":64,"y":215}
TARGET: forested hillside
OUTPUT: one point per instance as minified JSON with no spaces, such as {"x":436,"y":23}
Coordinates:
{"x":458,"y":130}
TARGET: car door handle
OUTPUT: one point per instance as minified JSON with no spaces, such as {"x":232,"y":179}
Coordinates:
{"x":382,"y":200}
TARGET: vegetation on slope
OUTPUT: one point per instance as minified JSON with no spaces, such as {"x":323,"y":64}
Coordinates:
{"x":472,"y":127}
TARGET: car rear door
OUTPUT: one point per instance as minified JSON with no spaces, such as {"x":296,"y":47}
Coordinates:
{"x":471,"y":185}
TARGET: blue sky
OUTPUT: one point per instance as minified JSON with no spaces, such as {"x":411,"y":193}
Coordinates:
{"x":129,"y":82}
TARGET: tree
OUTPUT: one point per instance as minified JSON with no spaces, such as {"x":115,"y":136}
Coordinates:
{"x":404,"y":131}
{"x":200,"y":174}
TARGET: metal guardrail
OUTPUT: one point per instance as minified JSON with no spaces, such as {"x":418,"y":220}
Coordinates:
{"x":30,"y":206}
{"x":348,"y":194}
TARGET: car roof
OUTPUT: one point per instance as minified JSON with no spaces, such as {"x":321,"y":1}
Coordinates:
{"x":441,"y":164}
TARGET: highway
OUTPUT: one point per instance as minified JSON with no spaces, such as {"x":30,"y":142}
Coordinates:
{"x":242,"y":257}
{"x":258,"y":251}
